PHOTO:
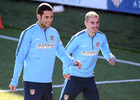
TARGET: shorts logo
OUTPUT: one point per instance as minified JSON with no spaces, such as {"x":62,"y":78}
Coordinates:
{"x":32,"y":91}
{"x":98,"y":44}
{"x":66,"y":97}
{"x":52,"y":38}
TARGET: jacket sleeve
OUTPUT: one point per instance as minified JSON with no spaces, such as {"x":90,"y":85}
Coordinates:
{"x":63,"y":55}
{"x":105,"y":50}
{"x":21,"y":52}
{"x":72,"y":45}
{"x":70,"y":48}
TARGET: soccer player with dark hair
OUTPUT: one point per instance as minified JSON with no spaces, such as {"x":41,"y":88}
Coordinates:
{"x":37,"y":49}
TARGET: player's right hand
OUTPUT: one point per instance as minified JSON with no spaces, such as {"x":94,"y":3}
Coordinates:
{"x":78,"y":63}
{"x":111,"y":61}
{"x":67,"y":76}
{"x":12,"y":88}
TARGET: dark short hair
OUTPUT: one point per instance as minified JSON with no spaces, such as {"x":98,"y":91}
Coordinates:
{"x":43,"y":7}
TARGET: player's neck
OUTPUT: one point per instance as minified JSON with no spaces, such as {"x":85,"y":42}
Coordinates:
{"x":41,"y":26}
{"x":91,"y":34}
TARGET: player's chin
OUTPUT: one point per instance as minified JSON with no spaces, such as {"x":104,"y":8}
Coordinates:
{"x":48,"y":26}
{"x":94,"y":30}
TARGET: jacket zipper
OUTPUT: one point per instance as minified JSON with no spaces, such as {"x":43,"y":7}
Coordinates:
{"x":92,"y":43}
{"x":45,"y":35}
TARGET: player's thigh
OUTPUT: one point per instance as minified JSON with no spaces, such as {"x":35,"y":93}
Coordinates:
{"x":32,"y":91}
{"x":48,"y":93}
{"x":71,"y":89}
{"x":91,"y":91}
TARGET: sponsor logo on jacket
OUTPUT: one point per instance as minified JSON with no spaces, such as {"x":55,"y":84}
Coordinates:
{"x":45,"y":45}
{"x":90,"y":53}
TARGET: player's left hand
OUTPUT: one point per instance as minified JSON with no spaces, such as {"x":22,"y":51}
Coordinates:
{"x":67,"y":76}
{"x":12,"y":88}
{"x":78,"y":63}
{"x":111,"y":61}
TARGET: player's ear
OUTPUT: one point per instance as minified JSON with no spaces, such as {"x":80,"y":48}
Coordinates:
{"x":38,"y":16}
{"x":85,"y":22}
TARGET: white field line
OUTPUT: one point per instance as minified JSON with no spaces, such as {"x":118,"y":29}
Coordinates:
{"x":123,"y":61}
{"x":8,"y":38}
{"x":101,"y":82}
{"x":101,"y":57}
{"x":118,"y":81}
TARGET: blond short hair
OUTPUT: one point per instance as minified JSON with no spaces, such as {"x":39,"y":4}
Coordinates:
{"x":91,"y":14}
